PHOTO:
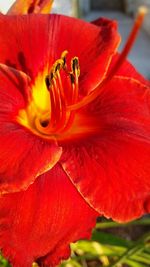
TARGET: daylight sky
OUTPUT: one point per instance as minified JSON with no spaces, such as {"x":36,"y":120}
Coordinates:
{"x":5,"y":4}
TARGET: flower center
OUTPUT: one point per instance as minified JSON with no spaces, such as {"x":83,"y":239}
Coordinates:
{"x":61,"y":87}
{"x":52,"y":110}
{"x":59,"y":119}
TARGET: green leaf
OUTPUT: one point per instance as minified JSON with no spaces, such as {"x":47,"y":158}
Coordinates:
{"x":134,"y":263}
{"x":70,"y":263}
{"x":110,"y":239}
{"x":3,"y":262}
{"x":141,"y":258}
{"x":104,"y":224}
{"x":94,"y":248}
{"x":146,"y":255}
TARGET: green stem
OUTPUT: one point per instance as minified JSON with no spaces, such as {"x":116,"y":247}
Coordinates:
{"x":137,"y":248}
{"x":105,"y":225}
{"x":127,"y":254}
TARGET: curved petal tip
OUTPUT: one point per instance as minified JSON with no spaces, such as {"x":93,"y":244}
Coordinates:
{"x":30,"y":6}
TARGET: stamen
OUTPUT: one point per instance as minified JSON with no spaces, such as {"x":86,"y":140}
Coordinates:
{"x":75,"y":66}
{"x":62,"y":113}
{"x":53,"y":101}
{"x":72,"y":78}
{"x":63,"y":57}
{"x":56,"y":112}
{"x":131,"y":39}
{"x":47,"y":81}
{"x":74,"y":75}
{"x":59,"y":118}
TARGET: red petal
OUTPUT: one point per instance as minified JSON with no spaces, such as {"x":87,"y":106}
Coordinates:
{"x":24,"y":45}
{"x":23,"y":156}
{"x":39,"y":40}
{"x":127,"y":70}
{"x":40,"y":223}
{"x":112,"y":168}
{"x":105,"y":22}
{"x":18,"y":81}
{"x":30,"y":6}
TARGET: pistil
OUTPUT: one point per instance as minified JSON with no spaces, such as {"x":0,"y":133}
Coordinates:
{"x":131,"y":39}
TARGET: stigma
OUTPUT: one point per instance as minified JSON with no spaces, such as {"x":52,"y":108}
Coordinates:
{"x":142,"y":11}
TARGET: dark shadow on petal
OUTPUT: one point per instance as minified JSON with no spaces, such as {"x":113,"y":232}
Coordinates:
{"x":10,"y":64}
{"x":21,"y":83}
{"x":22,"y":62}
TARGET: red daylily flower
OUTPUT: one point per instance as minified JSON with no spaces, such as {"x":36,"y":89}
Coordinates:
{"x":62,"y":166}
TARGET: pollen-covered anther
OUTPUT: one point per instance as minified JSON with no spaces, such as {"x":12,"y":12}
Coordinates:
{"x":60,"y":119}
{"x":58,"y":65}
{"x":72,"y":78}
{"x":63,"y":57}
{"x":75,"y":66}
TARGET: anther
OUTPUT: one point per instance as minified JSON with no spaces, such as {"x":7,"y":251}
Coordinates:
{"x":72,"y":78}
{"x":47,"y":81}
{"x":51,"y":76}
{"x":58,"y":118}
{"x":58,"y":67}
{"x":44,"y":123}
{"x":75,"y":65}
{"x":63,"y":57}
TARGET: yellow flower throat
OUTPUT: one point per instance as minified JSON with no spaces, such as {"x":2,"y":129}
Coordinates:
{"x":47,"y":113}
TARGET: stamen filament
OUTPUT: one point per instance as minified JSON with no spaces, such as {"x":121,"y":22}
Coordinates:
{"x":57,"y":111}
{"x":132,"y":37}
{"x":74,"y":77}
{"x":53,"y":102}
{"x":62,"y":112}
{"x":58,"y":119}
